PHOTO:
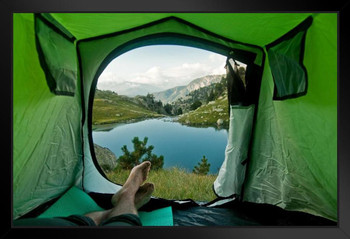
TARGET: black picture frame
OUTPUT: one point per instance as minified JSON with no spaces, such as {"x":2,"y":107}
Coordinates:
{"x":8,"y":7}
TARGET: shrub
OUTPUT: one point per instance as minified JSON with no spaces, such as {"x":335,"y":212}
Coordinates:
{"x":202,"y":167}
{"x":141,"y":153}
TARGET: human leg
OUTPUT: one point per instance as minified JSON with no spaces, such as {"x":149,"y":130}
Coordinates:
{"x":143,"y":195}
{"x":130,"y":197}
{"x":74,"y":220}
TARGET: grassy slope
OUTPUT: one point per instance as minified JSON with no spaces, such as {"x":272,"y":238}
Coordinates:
{"x":208,"y":114}
{"x":112,"y":108}
{"x":174,"y":183}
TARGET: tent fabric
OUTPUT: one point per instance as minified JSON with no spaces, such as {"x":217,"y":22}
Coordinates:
{"x":286,"y":57}
{"x":257,"y":29}
{"x":92,"y":180}
{"x":290,"y":76}
{"x":236,"y":88}
{"x":47,"y":153}
{"x":293,"y":155}
{"x":293,"y":160}
{"x":232,"y":172}
{"x":58,"y":58}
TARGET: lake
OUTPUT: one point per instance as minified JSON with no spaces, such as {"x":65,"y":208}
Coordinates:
{"x":182,"y":146}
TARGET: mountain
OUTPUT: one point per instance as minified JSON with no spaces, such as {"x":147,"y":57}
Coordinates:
{"x":128,"y":88}
{"x":177,"y":92}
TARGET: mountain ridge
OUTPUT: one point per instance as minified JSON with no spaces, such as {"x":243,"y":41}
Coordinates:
{"x":172,"y":94}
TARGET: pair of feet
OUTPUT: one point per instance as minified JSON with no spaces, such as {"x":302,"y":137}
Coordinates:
{"x":132,"y":196}
{"x":133,"y":186}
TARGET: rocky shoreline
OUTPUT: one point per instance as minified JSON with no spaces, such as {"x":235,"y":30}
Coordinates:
{"x":105,"y":158}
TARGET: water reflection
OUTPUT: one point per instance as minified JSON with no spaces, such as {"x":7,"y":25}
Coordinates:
{"x":181,"y":145}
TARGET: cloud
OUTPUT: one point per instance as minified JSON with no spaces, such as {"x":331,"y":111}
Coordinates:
{"x":109,"y":76}
{"x":219,"y":70}
{"x":161,"y":77}
{"x":216,"y":57}
{"x":128,"y":88}
{"x":153,"y":75}
{"x":168,"y":77}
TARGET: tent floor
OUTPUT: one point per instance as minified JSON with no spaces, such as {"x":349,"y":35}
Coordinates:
{"x":229,"y":214}
{"x":245,"y":214}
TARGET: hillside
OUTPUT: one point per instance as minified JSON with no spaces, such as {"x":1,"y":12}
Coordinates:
{"x":170,"y":95}
{"x":110,"y":107}
{"x":173,"y":94}
{"x":211,"y":101}
{"x":215,"y":113}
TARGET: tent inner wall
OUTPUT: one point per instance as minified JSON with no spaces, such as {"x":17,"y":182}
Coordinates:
{"x":294,"y":153}
{"x":47,"y":152}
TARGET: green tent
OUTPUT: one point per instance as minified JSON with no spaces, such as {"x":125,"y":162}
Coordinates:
{"x":282,"y":145}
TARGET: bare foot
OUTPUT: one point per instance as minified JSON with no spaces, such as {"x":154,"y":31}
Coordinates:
{"x":136,"y":177}
{"x":143,"y":195}
{"x":139,"y":172}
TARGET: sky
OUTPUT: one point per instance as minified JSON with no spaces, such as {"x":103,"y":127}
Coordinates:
{"x":156,"y":68}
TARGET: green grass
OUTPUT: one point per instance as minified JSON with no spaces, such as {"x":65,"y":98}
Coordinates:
{"x":208,"y":114}
{"x":174,"y":183}
{"x":117,"y":109}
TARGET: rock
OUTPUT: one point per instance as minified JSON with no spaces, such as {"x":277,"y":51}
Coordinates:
{"x":105,"y":158}
{"x":219,"y":122}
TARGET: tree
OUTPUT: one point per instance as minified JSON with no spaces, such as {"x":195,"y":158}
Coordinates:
{"x":223,"y":81}
{"x":196,"y":105}
{"x":179,"y":111}
{"x":211,"y":96}
{"x":168,"y":108}
{"x":150,"y":97}
{"x":141,"y":153}
{"x":157,"y":162}
{"x":219,"y":89}
{"x":203,"y":167}
{"x":126,"y":161}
